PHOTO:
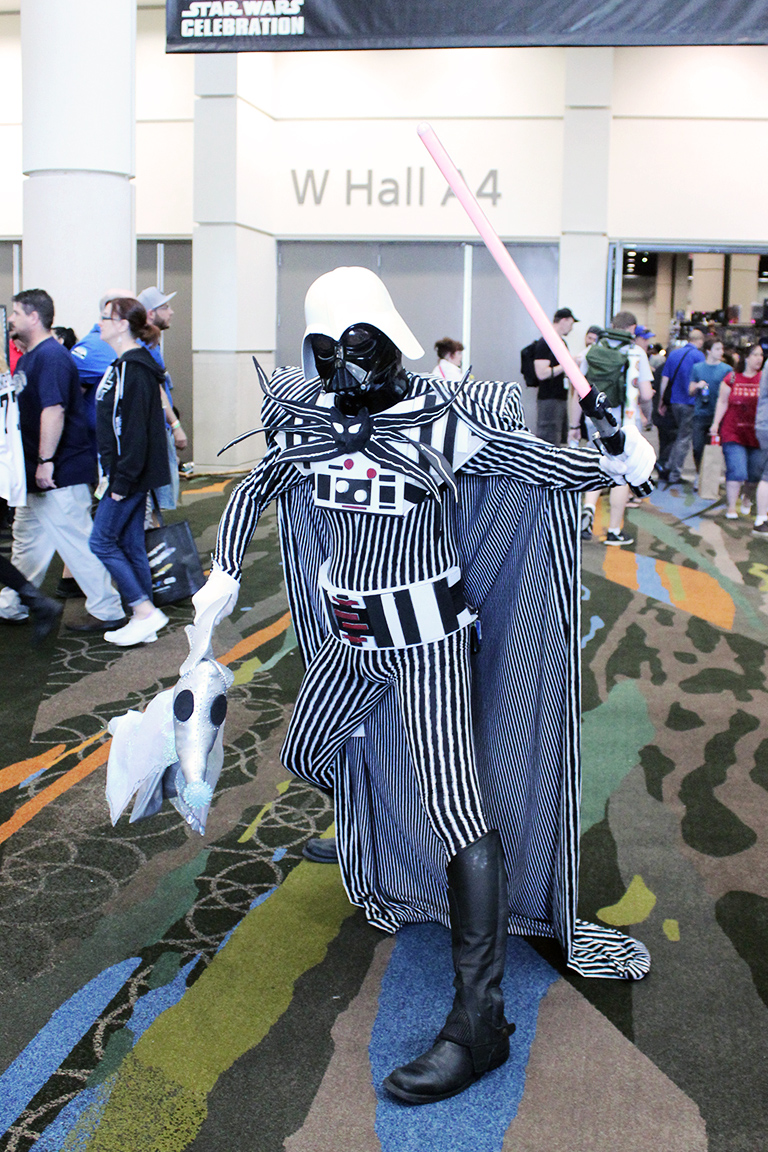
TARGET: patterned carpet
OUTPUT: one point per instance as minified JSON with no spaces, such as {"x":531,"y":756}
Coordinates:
{"x":160,"y":991}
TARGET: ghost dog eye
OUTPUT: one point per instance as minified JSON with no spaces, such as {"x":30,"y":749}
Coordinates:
{"x":184,"y":705}
{"x":218,"y":711}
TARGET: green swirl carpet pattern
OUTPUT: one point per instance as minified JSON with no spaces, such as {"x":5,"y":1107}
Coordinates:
{"x":160,"y":991}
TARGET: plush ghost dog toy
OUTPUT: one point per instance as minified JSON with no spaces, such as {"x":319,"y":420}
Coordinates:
{"x":175,"y":749}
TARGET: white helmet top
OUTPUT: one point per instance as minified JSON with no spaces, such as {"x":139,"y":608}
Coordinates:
{"x":348,"y":296}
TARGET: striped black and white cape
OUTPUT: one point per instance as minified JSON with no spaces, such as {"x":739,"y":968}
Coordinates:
{"x":515,"y":523}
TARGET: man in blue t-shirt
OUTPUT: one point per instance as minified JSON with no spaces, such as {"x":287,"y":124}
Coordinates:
{"x":676,"y":397}
{"x":60,"y":466}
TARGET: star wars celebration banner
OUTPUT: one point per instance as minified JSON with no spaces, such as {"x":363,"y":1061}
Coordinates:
{"x":316,"y":25}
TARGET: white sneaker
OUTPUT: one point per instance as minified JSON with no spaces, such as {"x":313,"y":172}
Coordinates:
{"x":138,"y":631}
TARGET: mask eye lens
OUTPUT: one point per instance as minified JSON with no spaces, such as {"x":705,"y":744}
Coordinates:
{"x":359,"y":340}
{"x":323,"y":346}
{"x":218,"y":711}
{"x":354,"y":337}
{"x":324,"y":350}
{"x":184,"y":705}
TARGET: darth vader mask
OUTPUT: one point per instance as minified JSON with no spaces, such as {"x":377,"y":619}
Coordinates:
{"x":363,"y":368}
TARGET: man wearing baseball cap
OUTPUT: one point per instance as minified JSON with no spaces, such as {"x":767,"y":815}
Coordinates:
{"x":645,"y":335}
{"x":159,"y":313}
{"x":552,"y":408}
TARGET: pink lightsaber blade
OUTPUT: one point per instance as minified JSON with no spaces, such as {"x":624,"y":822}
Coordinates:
{"x":503,"y":258}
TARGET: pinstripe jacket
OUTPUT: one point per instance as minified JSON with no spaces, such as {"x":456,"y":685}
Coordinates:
{"x":514,"y":521}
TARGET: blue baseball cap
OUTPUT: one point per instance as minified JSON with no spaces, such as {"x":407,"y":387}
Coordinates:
{"x":643,"y":333}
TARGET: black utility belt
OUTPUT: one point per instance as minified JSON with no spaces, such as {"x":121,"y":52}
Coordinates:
{"x":417,"y":613}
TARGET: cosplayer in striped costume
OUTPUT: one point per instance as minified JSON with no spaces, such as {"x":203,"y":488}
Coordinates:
{"x":416,"y":516}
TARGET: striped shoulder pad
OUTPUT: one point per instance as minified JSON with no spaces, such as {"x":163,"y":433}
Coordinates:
{"x":492,"y":404}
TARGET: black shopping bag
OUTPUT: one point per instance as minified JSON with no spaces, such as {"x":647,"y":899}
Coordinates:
{"x":176,"y":569}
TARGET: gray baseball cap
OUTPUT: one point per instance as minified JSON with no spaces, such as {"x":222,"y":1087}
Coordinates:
{"x":153,"y":298}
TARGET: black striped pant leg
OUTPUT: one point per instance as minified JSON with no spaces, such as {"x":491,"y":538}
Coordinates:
{"x":434,"y":692}
{"x":334,"y":698}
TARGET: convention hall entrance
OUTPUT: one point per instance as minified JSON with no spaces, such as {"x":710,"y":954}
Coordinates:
{"x":669,"y":287}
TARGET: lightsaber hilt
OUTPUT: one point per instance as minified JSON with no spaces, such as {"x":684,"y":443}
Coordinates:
{"x":609,"y":438}
{"x":595,"y":406}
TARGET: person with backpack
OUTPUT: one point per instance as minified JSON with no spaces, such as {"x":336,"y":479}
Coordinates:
{"x":619,"y":368}
{"x":676,"y":397}
{"x":550,"y":379}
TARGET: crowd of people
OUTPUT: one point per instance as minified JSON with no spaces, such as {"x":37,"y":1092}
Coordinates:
{"x":701,"y":391}
{"x":96,"y":416}
{"x":711,"y":392}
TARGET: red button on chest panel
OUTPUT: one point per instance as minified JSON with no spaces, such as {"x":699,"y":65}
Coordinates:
{"x":355,"y":483}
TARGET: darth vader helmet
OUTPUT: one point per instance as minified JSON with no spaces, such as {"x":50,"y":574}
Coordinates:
{"x":355,"y":338}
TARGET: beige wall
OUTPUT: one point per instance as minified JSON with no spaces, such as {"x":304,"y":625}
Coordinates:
{"x":680,"y":120}
{"x":356,"y":112}
{"x":165,"y":104}
{"x":498,"y":110}
{"x":685,"y":120}
{"x":10,"y":126}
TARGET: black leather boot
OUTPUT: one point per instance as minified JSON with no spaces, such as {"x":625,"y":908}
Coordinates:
{"x":44,"y":611}
{"x":475,"y":1037}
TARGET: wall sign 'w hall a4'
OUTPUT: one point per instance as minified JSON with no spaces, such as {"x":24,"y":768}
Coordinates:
{"x":316,"y":25}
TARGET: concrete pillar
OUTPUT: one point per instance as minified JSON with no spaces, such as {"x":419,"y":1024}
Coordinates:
{"x":744,"y":288}
{"x":586,"y":152}
{"x":78,"y":64}
{"x":707,"y":284}
{"x":662,"y":304}
{"x":681,"y":286}
{"x":234,"y":263}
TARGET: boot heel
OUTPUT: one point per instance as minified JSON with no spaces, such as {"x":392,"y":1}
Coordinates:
{"x":486,"y":1058}
{"x":500,"y":1053}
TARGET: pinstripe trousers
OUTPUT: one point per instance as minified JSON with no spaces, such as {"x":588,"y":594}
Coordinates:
{"x":343,"y":685}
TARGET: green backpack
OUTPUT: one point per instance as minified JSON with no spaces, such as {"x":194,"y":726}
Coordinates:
{"x":607,"y":366}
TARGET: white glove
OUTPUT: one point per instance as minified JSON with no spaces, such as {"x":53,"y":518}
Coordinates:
{"x":635,"y":464}
{"x":219,"y":592}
